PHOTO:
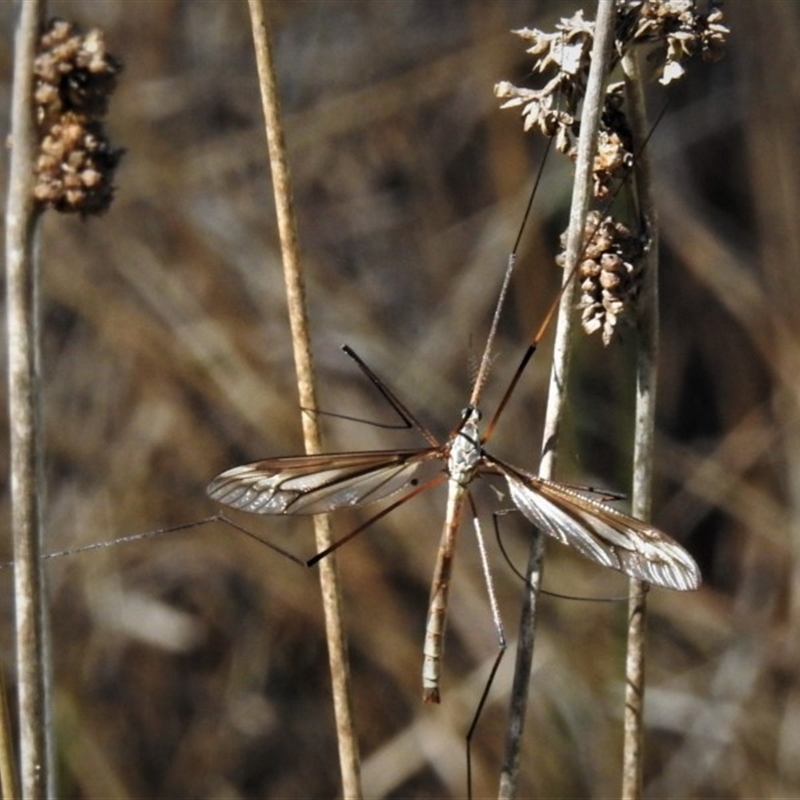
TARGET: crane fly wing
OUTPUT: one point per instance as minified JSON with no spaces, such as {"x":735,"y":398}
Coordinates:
{"x":599,"y":531}
{"x":314,"y":484}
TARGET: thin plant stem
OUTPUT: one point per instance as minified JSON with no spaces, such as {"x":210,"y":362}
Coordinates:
{"x":556,"y":399}
{"x":8,"y":768}
{"x":644,"y":434}
{"x":298,"y":318}
{"x":27,"y":485}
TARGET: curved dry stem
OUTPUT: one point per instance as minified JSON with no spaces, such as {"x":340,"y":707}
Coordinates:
{"x":556,"y":399}
{"x":298,"y":319}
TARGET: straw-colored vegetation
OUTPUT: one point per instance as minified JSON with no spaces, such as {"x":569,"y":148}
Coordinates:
{"x":193,"y":665}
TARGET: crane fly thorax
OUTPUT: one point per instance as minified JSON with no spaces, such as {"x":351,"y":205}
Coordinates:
{"x":465,"y":449}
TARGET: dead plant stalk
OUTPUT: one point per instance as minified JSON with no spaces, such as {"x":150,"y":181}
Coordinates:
{"x":27,"y":489}
{"x":644,"y":433}
{"x":556,"y":398}
{"x":298,"y":320}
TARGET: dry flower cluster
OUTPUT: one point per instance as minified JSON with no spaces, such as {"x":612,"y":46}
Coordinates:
{"x":74,"y":79}
{"x":675,"y":30}
{"x":606,"y":272}
{"x":676,"y":27}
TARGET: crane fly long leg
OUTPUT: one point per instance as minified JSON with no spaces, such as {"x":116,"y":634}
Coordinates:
{"x":487,"y":576}
{"x":403,"y":411}
{"x":137,"y":537}
{"x":382,"y":513}
{"x":501,"y":638}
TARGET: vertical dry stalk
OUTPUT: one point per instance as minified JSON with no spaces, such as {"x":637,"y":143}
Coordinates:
{"x":295,"y":289}
{"x":23,"y":371}
{"x":644,"y":432}
{"x":8,"y":771}
{"x":556,"y":399}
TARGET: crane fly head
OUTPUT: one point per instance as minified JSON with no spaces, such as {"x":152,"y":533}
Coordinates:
{"x":468,"y":429}
{"x":471,"y":415}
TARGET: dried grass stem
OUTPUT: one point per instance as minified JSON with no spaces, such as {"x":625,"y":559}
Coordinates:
{"x":27,"y":487}
{"x":644,"y":432}
{"x":556,"y":400}
{"x":298,"y":319}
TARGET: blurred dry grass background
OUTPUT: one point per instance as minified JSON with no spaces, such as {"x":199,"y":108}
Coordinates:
{"x":194,"y":665}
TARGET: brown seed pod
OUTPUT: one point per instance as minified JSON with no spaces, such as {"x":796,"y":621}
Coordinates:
{"x":75,"y":76}
{"x":608,"y":273}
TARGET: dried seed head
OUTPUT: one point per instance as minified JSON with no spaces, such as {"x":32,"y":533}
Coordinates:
{"x":75,"y":76}
{"x":74,"y":167}
{"x":74,"y":72}
{"x":552,"y":109}
{"x":679,"y":30}
{"x":608,"y":273}
{"x":614,"y":158}
{"x":675,"y":30}
{"x":675,"y":26}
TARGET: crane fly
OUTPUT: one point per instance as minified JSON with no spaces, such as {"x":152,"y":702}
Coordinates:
{"x":316,"y":484}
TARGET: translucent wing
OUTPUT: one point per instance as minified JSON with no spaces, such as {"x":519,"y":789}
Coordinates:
{"x":318,"y":483}
{"x":599,"y":531}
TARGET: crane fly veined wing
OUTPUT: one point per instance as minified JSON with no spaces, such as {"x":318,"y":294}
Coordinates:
{"x":599,"y":531}
{"x":314,"y":484}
